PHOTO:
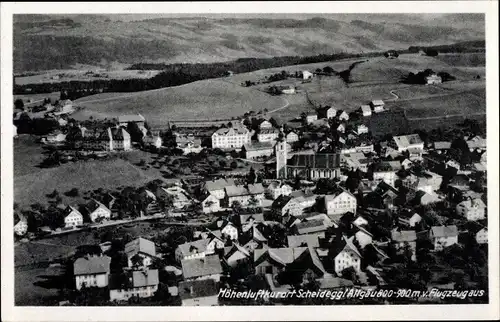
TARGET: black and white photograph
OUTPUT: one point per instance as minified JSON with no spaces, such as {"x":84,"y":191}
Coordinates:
{"x":215,"y":158}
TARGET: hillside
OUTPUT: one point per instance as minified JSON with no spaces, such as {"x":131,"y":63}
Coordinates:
{"x":202,"y":100}
{"x":43,"y":42}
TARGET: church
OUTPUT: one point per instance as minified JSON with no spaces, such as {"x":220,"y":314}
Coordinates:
{"x":306,"y":166}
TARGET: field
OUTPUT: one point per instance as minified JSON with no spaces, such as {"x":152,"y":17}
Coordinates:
{"x":202,"y":100}
{"x":56,"y":76}
{"x":37,"y":99}
{"x":465,"y":59}
{"x":84,"y":175}
{"x":36,"y":287}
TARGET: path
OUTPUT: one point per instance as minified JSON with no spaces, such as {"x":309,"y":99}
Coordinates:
{"x":396,"y":97}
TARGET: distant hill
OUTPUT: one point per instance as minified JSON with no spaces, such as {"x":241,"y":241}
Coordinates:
{"x":43,"y":42}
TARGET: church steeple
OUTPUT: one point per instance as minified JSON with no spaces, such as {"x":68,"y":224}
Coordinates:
{"x":281,"y":156}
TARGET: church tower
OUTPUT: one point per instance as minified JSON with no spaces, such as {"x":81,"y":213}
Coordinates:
{"x":281,"y":157}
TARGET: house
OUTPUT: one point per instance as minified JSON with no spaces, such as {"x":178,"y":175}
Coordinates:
{"x":292,"y":137}
{"x":143,"y":283}
{"x":409,"y":218}
{"x":236,"y":254}
{"x":210,"y":204}
{"x":91,"y":271}
{"x":401,"y":238}
{"x":287,"y":205}
{"x":229,"y":229}
{"x":207,"y":267}
{"x":340,"y":202}
{"x":384,"y":195}
{"x":268,"y":135}
{"x":472,"y":209}
{"x":482,"y":236}
{"x":428,"y":182}
{"x":115,"y":139}
{"x":230,"y":138}
{"x":304,"y":199}
{"x":343,"y":116}
{"x":477,"y":144}
{"x":217,"y":187}
{"x":54,"y":138}
{"x":193,"y":146}
{"x":265,"y":125}
{"x":433,"y":79}
{"x":354,"y":161}
{"x":377,"y":105}
{"x":341,"y":128}
{"x":331,"y":112}
{"x":452,"y":164}
{"x":295,"y":241}
{"x":180,"y":197}
{"x":404,"y":142}
{"x":386,"y":171}
{"x":244,"y":194}
{"x":345,"y":255}
{"x":406,"y":164}
{"x":307,"y":75}
{"x":366,"y":110}
{"x":138,"y":119}
{"x":314,"y":166}
{"x":72,"y":217}
{"x":152,"y":140}
{"x":274,"y":260}
{"x":20,"y":224}
{"x":423,"y":198}
{"x":311,"y":226}
{"x":199,"y":293}
{"x":443,"y":236}
{"x":258,"y":149}
{"x":140,"y":250}
{"x":199,"y":248}
{"x":311,"y":118}
{"x":97,"y":211}
{"x":360,"y":221}
{"x":441,"y":146}
{"x":278,"y":188}
{"x":363,"y":236}
{"x":362,"y":129}
{"x":247,"y":221}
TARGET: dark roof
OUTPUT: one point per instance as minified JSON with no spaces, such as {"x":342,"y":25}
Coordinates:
{"x":281,"y":201}
{"x":319,"y":160}
{"x":91,"y":265}
{"x":257,"y":146}
{"x":198,"y":267}
{"x":403,"y":236}
{"x":196,"y":289}
{"x":93,"y":205}
{"x":140,"y":245}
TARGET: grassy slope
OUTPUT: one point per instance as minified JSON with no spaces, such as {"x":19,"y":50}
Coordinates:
{"x":89,"y":175}
{"x":209,"y":99}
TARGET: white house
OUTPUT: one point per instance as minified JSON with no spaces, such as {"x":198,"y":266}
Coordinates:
{"x":347,"y":256}
{"x":377,"y":105}
{"x":268,"y":135}
{"x":341,"y":128}
{"x":331,"y":112}
{"x":20,"y":224}
{"x":210,"y":204}
{"x":292,"y":137}
{"x":311,"y":118}
{"x":482,"y":236}
{"x":72,"y":217}
{"x":143,"y":283}
{"x":153,"y":140}
{"x":402,"y":238}
{"x":244,"y":194}
{"x":433,"y":79}
{"x":404,"y":142}
{"x":92,"y":271}
{"x":340,"y":202}
{"x":363,"y":236}
{"x":199,"y":248}
{"x":208,"y":267}
{"x":258,"y":149}
{"x":229,"y":229}
{"x":277,"y":188}
{"x":443,"y":236}
{"x":307,"y":75}
{"x":265,"y":125}
{"x":386,"y":171}
{"x":472,"y":209}
{"x":140,"y":248}
{"x":344,"y":116}
{"x":217,"y":187}
{"x":362,"y":129}
{"x":230,"y":138}
{"x":180,"y":196}
{"x":366,"y":110}
{"x":97,"y":211}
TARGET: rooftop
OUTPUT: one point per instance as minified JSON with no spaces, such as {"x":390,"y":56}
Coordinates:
{"x":140,"y":245}
{"x":320,"y":160}
{"x":444,"y":231}
{"x":208,"y":265}
{"x":197,"y":289}
{"x":92,"y":265}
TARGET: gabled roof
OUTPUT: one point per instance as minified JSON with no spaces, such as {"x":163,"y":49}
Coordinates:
{"x":310,"y":226}
{"x":337,"y":192}
{"x":248,"y":217}
{"x":366,"y":108}
{"x":140,"y":245}
{"x":377,"y":102}
{"x":405,"y":141}
{"x":219,"y":184}
{"x":284,"y":256}
{"x":198,"y":267}
{"x":91,"y":265}
{"x":70,"y":209}
{"x":197,"y":289}
{"x":345,"y":244}
{"x":330,"y":282}
{"x":145,"y":278}
{"x":442,"y":145}
{"x":281,"y":201}
{"x":93,"y":205}
{"x":403,"y":236}
{"x":231,"y":131}
{"x":258,"y":146}
{"x":307,"y":239}
{"x":444,"y":231}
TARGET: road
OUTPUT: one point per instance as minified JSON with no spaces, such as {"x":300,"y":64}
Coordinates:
{"x":396,"y":97}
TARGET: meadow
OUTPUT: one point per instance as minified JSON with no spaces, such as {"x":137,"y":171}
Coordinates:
{"x":202,"y":100}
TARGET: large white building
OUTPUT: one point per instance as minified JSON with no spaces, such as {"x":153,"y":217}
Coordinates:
{"x":230,"y":138}
{"x":92,"y":271}
{"x":340,"y":202}
{"x":72,"y":217}
{"x":404,"y":142}
{"x":268,"y":135}
{"x":472,"y":209}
